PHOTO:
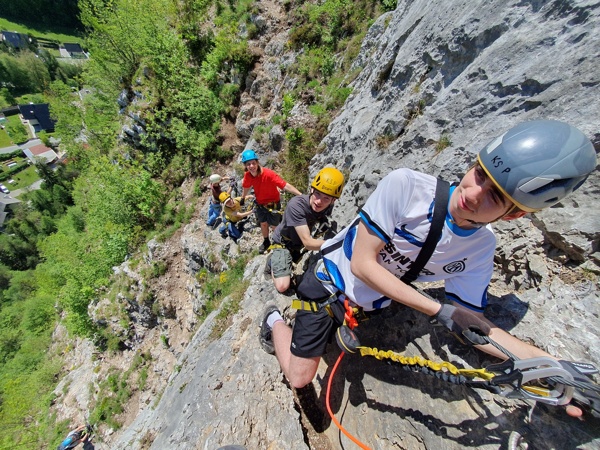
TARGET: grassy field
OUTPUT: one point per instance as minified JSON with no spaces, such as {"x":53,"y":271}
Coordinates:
{"x":56,"y":33}
{"x":4,"y":138}
{"x":17,"y":119}
{"x":23,"y":179}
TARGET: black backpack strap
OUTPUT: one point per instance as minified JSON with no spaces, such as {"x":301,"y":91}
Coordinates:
{"x":442,"y":191}
{"x":333,"y":247}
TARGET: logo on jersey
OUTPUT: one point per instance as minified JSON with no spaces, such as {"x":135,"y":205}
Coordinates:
{"x":455,"y":267}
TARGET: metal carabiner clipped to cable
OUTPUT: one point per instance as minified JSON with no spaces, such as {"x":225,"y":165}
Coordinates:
{"x":514,"y":377}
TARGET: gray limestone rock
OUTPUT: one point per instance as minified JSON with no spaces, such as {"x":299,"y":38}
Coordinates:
{"x":439,"y":80}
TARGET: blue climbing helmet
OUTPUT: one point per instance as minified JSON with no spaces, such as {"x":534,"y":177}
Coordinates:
{"x":536,"y":164}
{"x":248,"y":155}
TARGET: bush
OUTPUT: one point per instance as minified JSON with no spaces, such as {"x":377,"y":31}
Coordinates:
{"x":10,"y":172}
{"x":7,"y":156}
{"x":17,"y":132}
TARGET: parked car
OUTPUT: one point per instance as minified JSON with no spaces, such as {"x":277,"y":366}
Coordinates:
{"x":4,"y":189}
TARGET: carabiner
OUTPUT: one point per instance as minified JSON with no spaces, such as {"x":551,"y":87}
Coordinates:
{"x":514,"y":376}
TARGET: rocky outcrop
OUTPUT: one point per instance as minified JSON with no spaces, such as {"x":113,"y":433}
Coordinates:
{"x":439,"y":80}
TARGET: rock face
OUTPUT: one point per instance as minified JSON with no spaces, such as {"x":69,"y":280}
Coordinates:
{"x":439,"y":80}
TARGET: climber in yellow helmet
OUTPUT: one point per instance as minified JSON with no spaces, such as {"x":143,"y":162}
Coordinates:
{"x":301,"y":215}
{"x":234,"y":215}
{"x":214,"y":207}
{"x":372,"y":262}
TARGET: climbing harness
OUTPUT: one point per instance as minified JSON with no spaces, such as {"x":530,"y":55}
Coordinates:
{"x":272,"y":208}
{"x":540,"y":379}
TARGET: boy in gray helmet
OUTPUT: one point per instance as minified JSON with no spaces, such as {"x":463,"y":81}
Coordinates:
{"x":532,"y":166}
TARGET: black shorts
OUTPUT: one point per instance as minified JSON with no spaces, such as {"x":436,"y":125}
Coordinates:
{"x":314,"y":330}
{"x":270,"y":214}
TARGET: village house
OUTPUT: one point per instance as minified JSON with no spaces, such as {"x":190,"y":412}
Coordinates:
{"x":37,"y":116}
{"x":40,"y":152}
{"x":15,"y":40}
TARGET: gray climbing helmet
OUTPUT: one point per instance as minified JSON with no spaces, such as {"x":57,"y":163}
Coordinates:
{"x":536,"y":164}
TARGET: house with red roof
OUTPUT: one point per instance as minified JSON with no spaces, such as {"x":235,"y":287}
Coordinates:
{"x":42,"y":152}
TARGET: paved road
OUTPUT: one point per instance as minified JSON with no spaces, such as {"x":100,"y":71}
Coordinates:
{"x":28,"y":144}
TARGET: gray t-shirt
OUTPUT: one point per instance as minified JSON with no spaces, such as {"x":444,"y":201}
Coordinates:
{"x":297,"y":213}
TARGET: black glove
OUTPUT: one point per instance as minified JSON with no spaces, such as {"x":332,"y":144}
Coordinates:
{"x":463,"y":323}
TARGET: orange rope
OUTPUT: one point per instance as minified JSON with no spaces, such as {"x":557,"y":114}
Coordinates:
{"x":339,"y":425}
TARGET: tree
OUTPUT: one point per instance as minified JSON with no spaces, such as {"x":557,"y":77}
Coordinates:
{"x":46,"y":12}
{"x":66,"y":109}
{"x":120,"y":33}
{"x":47,"y":174}
{"x":6,"y":98}
{"x":5,"y":277}
{"x":14,"y":75}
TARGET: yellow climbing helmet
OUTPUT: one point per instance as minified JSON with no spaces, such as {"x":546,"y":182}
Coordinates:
{"x":224,"y":196}
{"x":329,"y":181}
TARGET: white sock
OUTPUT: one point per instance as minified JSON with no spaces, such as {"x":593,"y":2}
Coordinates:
{"x":273,"y":317}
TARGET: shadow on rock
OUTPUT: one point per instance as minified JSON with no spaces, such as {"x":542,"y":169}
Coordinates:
{"x":394,"y":329}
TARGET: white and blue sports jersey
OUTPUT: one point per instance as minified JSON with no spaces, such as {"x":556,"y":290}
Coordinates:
{"x":400,"y":211}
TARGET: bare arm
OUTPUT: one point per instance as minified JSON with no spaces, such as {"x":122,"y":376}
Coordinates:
{"x":308,"y":241}
{"x":291,"y":189}
{"x":365,"y":267}
{"x":241,"y":215}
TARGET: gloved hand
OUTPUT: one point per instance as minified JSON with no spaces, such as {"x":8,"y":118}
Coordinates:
{"x":463,"y":323}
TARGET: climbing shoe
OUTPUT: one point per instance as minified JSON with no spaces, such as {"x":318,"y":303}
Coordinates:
{"x":266,"y":336}
{"x":264,"y":246}
{"x":267,"y":269}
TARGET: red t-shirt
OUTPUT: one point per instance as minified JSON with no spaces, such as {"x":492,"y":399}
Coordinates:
{"x":265,"y":185}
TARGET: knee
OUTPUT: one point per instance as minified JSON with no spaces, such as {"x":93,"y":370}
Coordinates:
{"x":281,"y":286}
{"x":300,"y":376}
{"x":299,"y":382}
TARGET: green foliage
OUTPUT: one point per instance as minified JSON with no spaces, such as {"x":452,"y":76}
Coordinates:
{"x":156,"y":269}
{"x":287,"y":104}
{"x":219,"y":286}
{"x":5,"y":276}
{"x":36,"y":317}
{"x":228,"y":93}
{"x":44,"y":137}
{"x":6,"y":174}
{"x":26,"y":371}
{"x":63,"y":108}
{"x":23,"y":72}
{"x":114,"y":393}
{"x":230,"y":57}
{"x":121,"y":33}
{"x":442,"y":143}
{"x":6,"y":98}
{"x":336,"y":96}
{"x":17,"y":132}
{"x":184,"y":77}
{"x":388,"y":5}
{"x":316,"y":63}
{"x":326,"y":23}
{"x":383,"y":141}
{"x":24,"y":178}
{"x":44,"y":13}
